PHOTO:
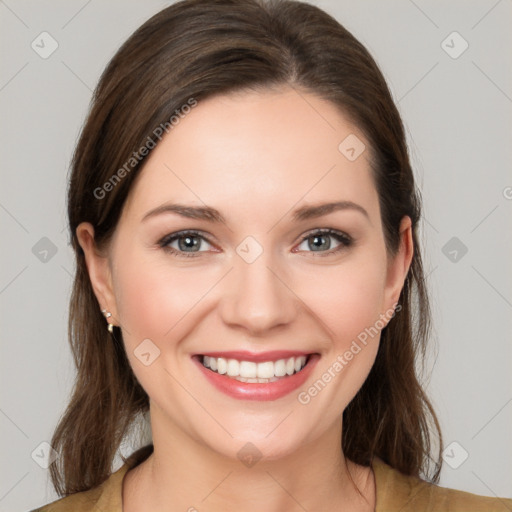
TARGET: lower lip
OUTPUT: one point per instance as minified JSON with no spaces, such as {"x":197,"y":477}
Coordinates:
{"x":255,"y":391}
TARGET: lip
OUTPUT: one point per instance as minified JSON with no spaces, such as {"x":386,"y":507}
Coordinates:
{"x":257,"y":357}
{"x":255,"y":391}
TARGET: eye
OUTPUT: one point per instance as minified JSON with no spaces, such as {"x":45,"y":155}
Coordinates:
{"x":320,"y":241}
{"x":189,"y":243}
{"x":184,"y":243}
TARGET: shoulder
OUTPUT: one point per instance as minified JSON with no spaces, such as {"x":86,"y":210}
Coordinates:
{"x":107,"y":496}
{"x":79,"y":502}
{"x":396,"y":491}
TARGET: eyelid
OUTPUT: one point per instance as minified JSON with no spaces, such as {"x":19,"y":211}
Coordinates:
{"x":326,"y":231}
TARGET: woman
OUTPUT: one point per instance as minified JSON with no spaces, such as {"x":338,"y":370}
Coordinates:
{"x":244,"y":217}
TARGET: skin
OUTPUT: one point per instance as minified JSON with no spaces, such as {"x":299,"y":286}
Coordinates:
{"x":255,"y":157}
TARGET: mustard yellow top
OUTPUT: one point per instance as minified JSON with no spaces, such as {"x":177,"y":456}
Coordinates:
{"x":396,"y":492}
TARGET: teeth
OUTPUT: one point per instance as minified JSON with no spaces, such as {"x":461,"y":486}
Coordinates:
{"x":222,"y":366}
{"x":249,"y":371}
{"x":259,"y":381}
{"x":265,"y":370}
{"x":280,"y":368}
{"x":290,"y":366}
{"x":233,"y":368}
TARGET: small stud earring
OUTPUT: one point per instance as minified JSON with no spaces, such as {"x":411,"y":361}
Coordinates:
{"x":108,"y":314}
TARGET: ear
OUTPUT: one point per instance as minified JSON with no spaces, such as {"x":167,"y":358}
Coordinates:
{"x":398,"y":265}
{"x":99,"y":270}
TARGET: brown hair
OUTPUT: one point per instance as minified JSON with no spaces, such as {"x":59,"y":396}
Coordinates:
{"x":197,"y":49}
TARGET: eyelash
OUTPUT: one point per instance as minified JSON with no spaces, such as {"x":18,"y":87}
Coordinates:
{"x":345,"y":242}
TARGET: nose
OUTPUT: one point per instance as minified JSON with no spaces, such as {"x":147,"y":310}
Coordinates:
{"x":257,"y":297}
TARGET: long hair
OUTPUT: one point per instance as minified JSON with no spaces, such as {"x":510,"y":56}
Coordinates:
{"x":187,"y":52}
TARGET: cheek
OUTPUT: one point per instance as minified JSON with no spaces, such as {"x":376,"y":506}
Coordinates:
{"x":348,"y":297}
{"x":155,"y":301}
{"x":153,"y":297}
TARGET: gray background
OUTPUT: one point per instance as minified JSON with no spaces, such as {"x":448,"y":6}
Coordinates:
{"x":457,"y":112}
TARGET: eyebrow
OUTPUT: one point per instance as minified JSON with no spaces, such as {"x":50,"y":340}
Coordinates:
{"x":212,"y":215}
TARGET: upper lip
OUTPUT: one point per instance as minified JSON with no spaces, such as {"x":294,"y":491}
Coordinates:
{"x":243,"y":355}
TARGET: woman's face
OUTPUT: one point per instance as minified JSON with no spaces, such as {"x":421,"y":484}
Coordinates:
{"x":260,"y":291}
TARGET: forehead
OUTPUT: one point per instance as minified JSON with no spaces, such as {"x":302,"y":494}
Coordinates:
{"x":251,"y":152}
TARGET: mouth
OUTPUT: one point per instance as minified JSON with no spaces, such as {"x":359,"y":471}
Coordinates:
{"x":254,"y":372}
{"x":250,"y":376}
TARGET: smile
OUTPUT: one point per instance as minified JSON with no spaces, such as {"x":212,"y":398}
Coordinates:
{"x":263,"y":376}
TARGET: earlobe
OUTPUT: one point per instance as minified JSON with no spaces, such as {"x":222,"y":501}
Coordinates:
{"x":98,"y":269}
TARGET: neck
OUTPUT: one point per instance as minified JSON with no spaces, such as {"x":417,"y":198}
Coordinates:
{"x":183,"y":474}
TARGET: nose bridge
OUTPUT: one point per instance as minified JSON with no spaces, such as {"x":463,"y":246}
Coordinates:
{"x":258,"y":299}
